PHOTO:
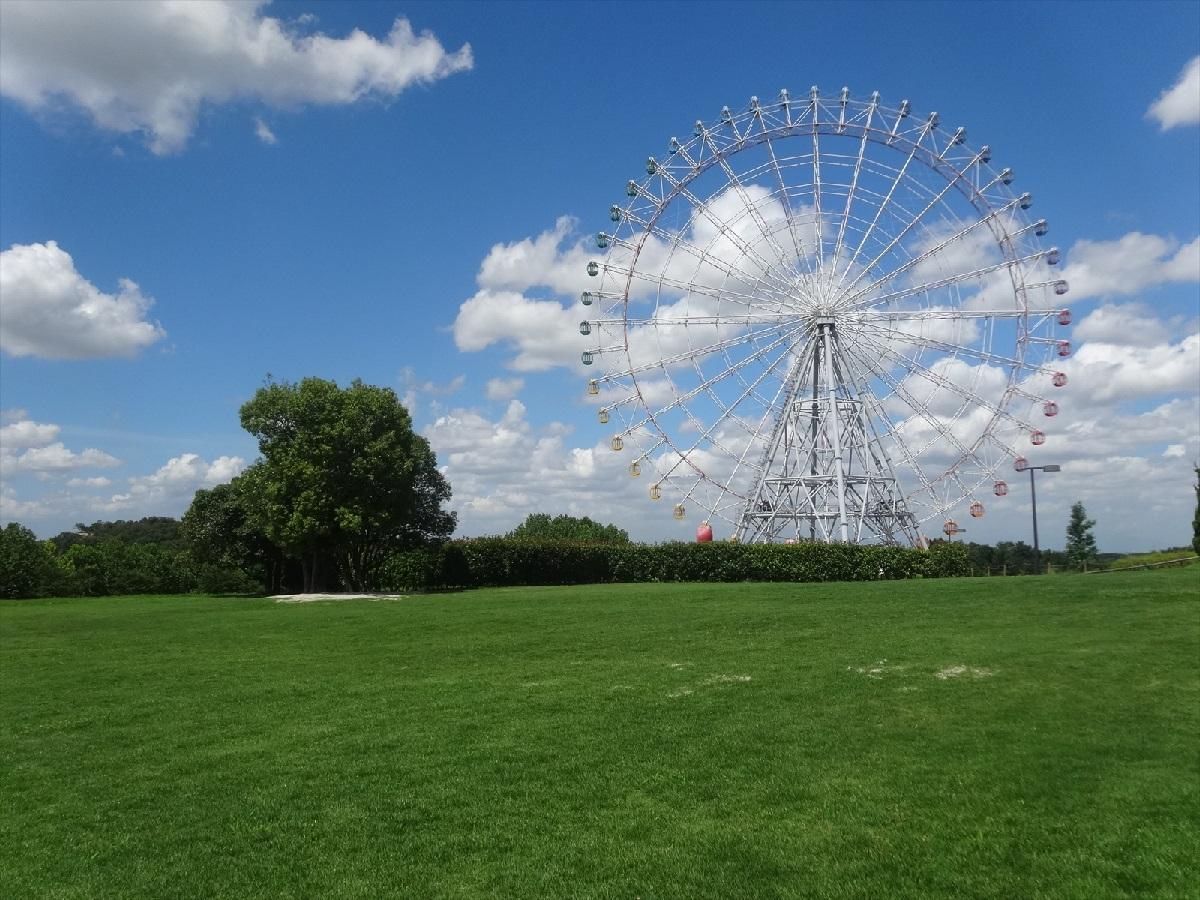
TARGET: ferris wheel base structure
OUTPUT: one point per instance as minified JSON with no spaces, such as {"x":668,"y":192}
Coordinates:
{"x":822,"y":479}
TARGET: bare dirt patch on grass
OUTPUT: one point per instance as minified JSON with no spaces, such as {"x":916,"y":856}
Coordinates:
{"x":312,"y":598}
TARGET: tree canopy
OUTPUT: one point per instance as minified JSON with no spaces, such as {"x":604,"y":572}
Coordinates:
{"x":343,"y":479}
{"x":541,"y":526}
{"x":159,"y":530}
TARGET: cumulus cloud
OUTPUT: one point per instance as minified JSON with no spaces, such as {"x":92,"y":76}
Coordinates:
{"x":57,"y":458}
{"x":32,"y":448}
{"x":1101,"y":371}
{"x":52,"y":311}
{"x":540,"y":261}
{"x":504,"y":388}
{"x":183,"y":475}
{"x":1180,"y":103}
{"x":21,"y":432}
{"x":150,"y":66}
{"x":542,"y":332}
{"x":166,"y":491}
{"x":503,"y":469}
{"x":1130,"y":264}
{"x":1126,"y":323}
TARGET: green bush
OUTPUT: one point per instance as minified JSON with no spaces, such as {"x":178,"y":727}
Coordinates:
{"x":499,"y":562}
{"x":947,"y":559}
{"x":113,"y":567}
{"x":1157,"y":556}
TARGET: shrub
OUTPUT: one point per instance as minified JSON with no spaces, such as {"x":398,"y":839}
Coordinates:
{"x":498,"y":562}
{"x":113,"y":567}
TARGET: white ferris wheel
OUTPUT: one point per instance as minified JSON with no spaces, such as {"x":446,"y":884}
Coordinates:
{"x":824,"y":318}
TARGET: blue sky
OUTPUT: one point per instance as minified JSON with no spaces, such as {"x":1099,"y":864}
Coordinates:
{"x":326,"y":209}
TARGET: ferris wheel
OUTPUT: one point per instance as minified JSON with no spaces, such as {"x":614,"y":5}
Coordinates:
{"x":824,"y":318}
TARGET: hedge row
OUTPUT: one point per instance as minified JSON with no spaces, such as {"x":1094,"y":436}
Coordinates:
{"x":499,"y":562}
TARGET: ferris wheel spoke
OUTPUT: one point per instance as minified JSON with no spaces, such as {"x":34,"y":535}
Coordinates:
{"x":931,"y":315}
{"x":896,"y":182}
{"x":726,"y":414}
{"x":737,"y":298}
{"x":926,"y":255}
{"x":686,"y":355}
{"x":786,"y":200}
{"x":922,"y":412}
{"x":927,"y":286}
{"x":716,"y":379}
{"x":862,"y":389}
{"x":839,"y":245}
{"x":816,"y":163}
{"x":784,"y":386}
{"x":913,"y":367}
{"x":769,"y":277}
{"x":932,"y":204}
{"x":695,"y":321}
{"x":954,"y":349}
{"x":751,"y":208}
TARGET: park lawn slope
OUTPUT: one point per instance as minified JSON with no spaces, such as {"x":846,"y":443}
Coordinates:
{"x":1020,"y":737}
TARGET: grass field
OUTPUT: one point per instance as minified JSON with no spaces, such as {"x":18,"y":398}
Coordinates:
{"x":1009,"y":738}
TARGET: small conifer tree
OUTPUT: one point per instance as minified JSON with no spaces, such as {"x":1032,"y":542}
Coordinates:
{"x":1196,"y":516}
{"x":1081,"y":543}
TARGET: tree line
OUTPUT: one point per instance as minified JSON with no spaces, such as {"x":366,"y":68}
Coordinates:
{"x":342,"y":489}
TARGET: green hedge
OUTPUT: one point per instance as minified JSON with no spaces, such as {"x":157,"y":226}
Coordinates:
{"x":499,"y":562}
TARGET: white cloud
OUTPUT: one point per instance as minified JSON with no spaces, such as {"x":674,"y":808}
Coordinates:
{"x":538,"y":262}
{"x":504,"y":388}
{"x":501,"y":470}
{"x":52,"y":311}
{"x":1101,"y":372}
{"x":1180,"y":103}
{"x":55,"y":458}
{"x":1175,"y":451}
{"x":264,"y":133}
{"x":150,"y":66}
{"x":185,"y":474}
{"x":1131,"y":324}
{"x":167,"y":491}
{"x":1130,"y":264}
{"x":22,"y":432}
{"x":96,"y":482}
{"x":543,"y":332}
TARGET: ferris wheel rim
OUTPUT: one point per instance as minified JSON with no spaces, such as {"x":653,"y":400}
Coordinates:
{"x":861,"y":305}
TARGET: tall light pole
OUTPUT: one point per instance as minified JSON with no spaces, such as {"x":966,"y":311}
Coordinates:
{"x":1037,"y":550}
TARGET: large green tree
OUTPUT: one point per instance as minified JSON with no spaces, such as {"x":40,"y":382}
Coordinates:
{"x":1081,"y":543}
{"x":343,"y":480}
{"x":540,"y":526}
{"x":29,"y":567}
{"x":222,"y":534}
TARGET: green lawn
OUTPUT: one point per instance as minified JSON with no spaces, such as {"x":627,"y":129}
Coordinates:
{"x":620,"y":741}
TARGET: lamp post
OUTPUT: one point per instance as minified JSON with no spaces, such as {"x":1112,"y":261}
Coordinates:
{"x":1037,"y":551}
